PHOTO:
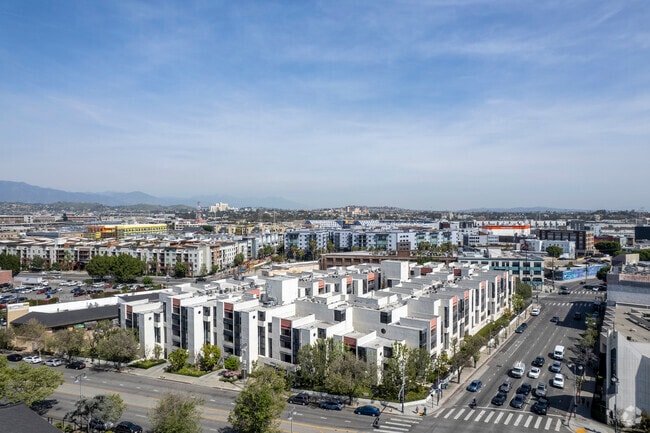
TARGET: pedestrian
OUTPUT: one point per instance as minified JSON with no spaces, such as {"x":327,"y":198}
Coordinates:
{"x":417,"y":409}
{"x":424,"y":411}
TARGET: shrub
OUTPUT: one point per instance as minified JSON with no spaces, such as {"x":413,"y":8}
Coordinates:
{"x":147,"y":363}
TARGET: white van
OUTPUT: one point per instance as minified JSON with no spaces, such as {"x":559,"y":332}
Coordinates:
{"x":558,"y":353}
{"x":518,"y":370}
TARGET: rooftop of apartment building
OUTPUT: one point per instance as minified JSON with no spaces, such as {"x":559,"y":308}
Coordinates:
{"x":632,"y":322}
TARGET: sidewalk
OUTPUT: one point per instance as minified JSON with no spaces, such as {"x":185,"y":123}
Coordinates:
{"x":212,"y":380}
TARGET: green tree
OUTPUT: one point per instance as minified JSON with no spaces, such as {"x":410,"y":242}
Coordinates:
{"x":602,"y":273}
{"x":27,"y":384}
{"x":391,"y":378}
{"x":37,"y":264}
{"x":34,"y":331}
{"x":473,"y":345}
{"x":181,"y":270}
{"x":348,"y":375}
{"x":315,"y":360}
{"x":126,"y":268}
{"x":554,"y":251}
{"x":210,"y":356}
{"x":10,"y":261}
{"x":518,"y":302}
{"x":147,"y":281}
{"x":118,"y":346}
{"x":104,"y":407}
{"x":208,"y":228}
{"x":260,"y":403}
{"x":176,"y":413}
{"x":71,"y":342}
{"x":607,"y":247}
{"x":99,"y":267}
{"x":7,"y":336}
{"x":523,"y":289}
{"x":157,"y":351}
{"x":231,"y":363}
{"x":177,"y":360}
{"x":239,"y":259}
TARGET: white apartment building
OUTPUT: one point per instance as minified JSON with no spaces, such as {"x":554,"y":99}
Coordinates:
{"x":268,"y":319}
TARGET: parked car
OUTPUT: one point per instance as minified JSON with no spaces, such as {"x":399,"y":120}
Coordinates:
{"x":534,"y":372}
{"x":475,"y":385}
{"x":518,"y":402}
{"x":506,"y":386}
{"x":302,"y":399}
{"x":535,"y":312}
{"x":500,"y":398}
{"x":521,"y":328}
{"x":556,"y":367}
{"x":331,"y":405}
{"x":33,"y":359}
{"x":541,"y":406}
{"x":525,"y":389}
{"x":555,"y":319}
{"x":53,"y":362}
{"x":127,"y":427}
{"x":76,"y":365}
{"x":368,"y":410}
{"x":558,"y":380}
{"x":98,"y":424}
{"x":540,"y":391}
{"x":14,"y":357}
{"x":539,"y":361}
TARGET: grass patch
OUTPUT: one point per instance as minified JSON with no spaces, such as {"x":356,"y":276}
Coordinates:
{"x":190,"y":371}
{"x":148,"y":363}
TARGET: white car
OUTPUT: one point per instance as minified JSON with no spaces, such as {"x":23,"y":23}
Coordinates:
{"x":53,"y":362}
{"x":534,"y":372}
{"x":558,"y":381}
{"x":33,"y":359}
{"x":535,"y":312}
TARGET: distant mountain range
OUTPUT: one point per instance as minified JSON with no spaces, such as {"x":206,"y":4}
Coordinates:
{"x":21,"y":192}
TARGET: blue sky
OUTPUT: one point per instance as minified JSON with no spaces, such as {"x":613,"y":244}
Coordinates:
{"x":448,"y":104}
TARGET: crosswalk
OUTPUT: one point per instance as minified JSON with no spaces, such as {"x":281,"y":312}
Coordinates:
{"x":502,"y":417}
{"x":565,"y":304}
{"x":396,"y":423}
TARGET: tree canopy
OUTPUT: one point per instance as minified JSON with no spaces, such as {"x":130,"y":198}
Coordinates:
{"x":607,"y":247}
{"x":10,"y":261}
{"x":554,"y":251}
{"x":602,"y":273}
{"x":26,"y":383}
{"x":124,"y":268}
{"x":260,"y":403}
{"x":104,"y":407}
{"x":176,"y":413}
{"x":118,"y":345}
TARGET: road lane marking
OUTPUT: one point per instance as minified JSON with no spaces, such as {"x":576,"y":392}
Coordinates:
{"x":507,"y":421}
{"x":557,"y":426}
{"x":480,"y":415}
{"x":496,"y":421}
{"x":487,"y":418}
{"x":538,"y":422}
{"x":469,"y":415}
{"x":460,"y":412}
{"x":449,"y":413}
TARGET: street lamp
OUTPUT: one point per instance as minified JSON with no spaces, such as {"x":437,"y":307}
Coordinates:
{"x":291,"y":414}
{"x":401,"y":391}
{"x":615,"y":383}
{"x":77,"y":379}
